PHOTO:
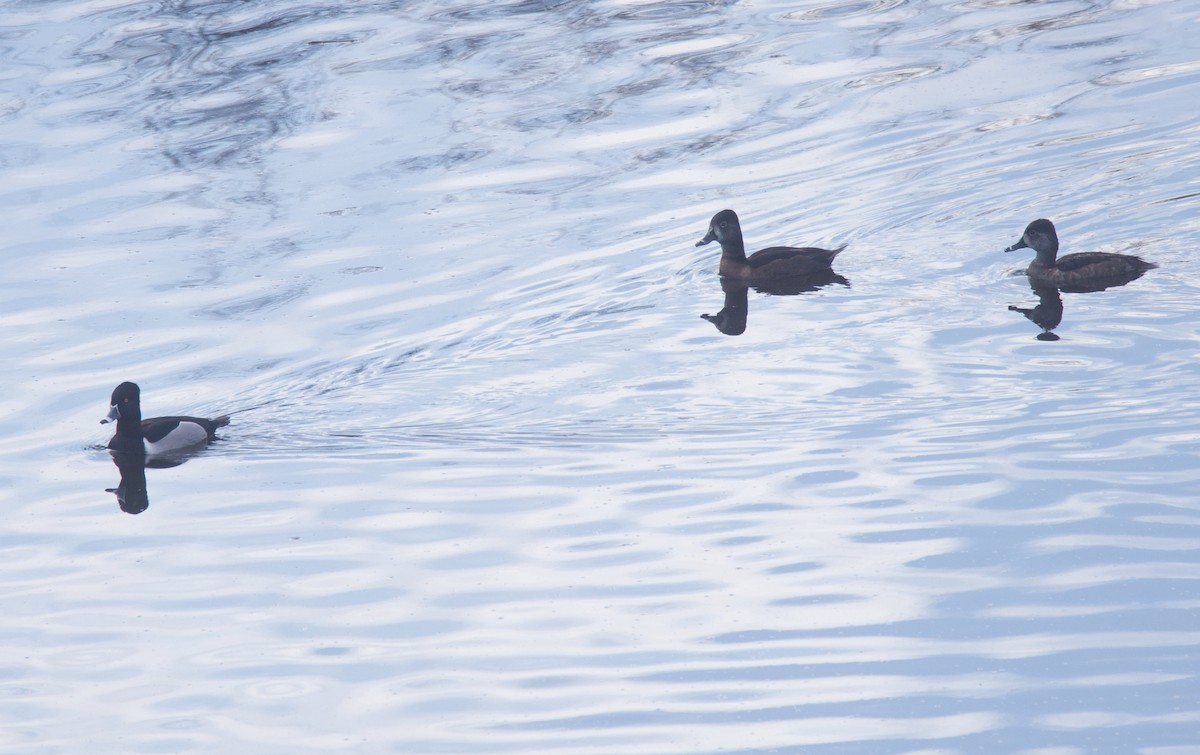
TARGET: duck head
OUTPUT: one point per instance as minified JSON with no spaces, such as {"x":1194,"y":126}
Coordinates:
{"x":723,"y":228}
{"x":1041,"y":237}
{"x":126,"y":402}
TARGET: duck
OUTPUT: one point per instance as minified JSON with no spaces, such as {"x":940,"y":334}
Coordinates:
{"x":1082,"y":271}
{"x":158,"y":435}
{"x":776,"y":263}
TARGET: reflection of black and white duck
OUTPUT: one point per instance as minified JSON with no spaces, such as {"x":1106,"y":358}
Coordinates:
{"x":1080,"y":272}
{"x":131,"y":492}
{"x":772,"y":265}
{"x":159,"y":435}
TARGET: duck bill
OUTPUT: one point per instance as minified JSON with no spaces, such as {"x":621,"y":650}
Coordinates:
{"x":114,"y":414}
{"x":712,"y":236}
{"x":1019,"y":245}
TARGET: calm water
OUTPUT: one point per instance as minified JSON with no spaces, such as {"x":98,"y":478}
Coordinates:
{"x":493,"y":485}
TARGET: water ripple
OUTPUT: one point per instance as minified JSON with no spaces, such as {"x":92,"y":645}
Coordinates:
{"x":491,"y":475}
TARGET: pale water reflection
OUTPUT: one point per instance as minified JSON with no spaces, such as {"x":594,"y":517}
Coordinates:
{"x":491,"y":486}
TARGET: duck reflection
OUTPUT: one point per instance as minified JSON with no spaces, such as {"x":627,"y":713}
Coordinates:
{"x":731,"y":320}
{"x":1047,"y":314}
{"x":131,"y":490}
{"x":1049,"y":310}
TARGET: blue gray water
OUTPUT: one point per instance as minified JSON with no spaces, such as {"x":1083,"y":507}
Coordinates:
{"x":493,"y":485}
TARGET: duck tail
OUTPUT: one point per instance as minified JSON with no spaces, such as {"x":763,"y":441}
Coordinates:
{"x":220,"y":421}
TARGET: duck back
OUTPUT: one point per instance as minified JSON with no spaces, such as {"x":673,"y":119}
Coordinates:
{"x":182,"y":430}
{"x":1090,"y":269}
{"x":782,"y":262}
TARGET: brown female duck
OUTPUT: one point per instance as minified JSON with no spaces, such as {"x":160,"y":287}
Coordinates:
{"x":776,"y":263}
{"x":1083,"y":270}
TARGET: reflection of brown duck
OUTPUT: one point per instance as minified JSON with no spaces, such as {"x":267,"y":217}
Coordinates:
{"x":772,"y":265}
{"x":1076,"y":273}
{"x":1047,"y":314}
{"x":731,"y":320}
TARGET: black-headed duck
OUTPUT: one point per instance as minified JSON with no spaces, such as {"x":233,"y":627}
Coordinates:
{"x":772,"y":264}
{"x":159,"y":435}
{"x":1082,"y":270}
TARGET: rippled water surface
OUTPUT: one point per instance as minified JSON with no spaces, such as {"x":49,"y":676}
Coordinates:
{"x":492,"y":484}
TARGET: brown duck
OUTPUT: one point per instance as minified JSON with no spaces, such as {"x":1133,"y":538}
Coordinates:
{"x":776,"y":263}
{"x":1082,"y":270}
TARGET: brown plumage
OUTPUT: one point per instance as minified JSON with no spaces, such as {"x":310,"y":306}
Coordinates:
{"x":1083,"y":270}
{"x":776,"y":263}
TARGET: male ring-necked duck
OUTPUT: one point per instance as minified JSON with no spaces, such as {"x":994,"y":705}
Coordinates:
{"x":772,"y":264}
{"x":159,"y":435}
{"x":1083,"y":269}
